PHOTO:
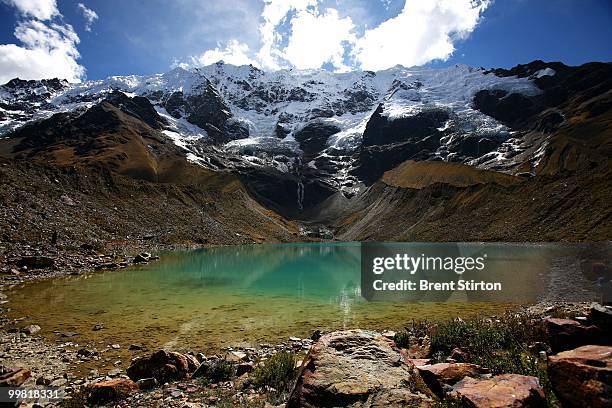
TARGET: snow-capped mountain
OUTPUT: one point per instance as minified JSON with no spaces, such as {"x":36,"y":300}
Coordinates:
{"x":318,"y":131}
{"x":260,"y":115}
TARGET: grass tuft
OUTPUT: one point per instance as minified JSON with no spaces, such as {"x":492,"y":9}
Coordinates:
{"x":278,"y":372}
{"x":216,"y":371}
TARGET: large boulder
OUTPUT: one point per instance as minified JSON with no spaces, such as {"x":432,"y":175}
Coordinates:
{"x":356,"y":368}
{"x":162,"y":365}
{"x":111,"y":390}
{"x":506,"y":390}
{"x":437,"y":376}
{"x":566,"y":334}
{"x":601,"y":316}
{"x":582,"y":377}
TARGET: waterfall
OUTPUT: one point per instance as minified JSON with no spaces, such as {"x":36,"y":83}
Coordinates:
{"x":300,"y":194}
{"x":300,"y":184}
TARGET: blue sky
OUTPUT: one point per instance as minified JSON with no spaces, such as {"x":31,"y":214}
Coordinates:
{"x":43,"y":38}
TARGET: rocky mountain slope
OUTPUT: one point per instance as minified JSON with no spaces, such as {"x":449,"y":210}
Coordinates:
{"x":326,"y":148}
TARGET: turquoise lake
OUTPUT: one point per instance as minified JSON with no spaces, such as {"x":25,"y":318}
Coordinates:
{"x":214,"y":297}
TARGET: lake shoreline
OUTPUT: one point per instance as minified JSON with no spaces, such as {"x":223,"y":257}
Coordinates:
{"x":55,"y":363}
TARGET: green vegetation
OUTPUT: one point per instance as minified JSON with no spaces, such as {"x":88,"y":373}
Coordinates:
{"x":500,"y":344}
{"x":217,"y":371}
{"x":416,"y":329}
{"x":277,"y":373}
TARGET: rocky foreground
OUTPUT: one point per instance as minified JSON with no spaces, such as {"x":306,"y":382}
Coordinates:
{"x":555,"y":356}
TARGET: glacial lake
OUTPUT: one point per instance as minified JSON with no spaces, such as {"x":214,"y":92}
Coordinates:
{"x":206,"y":299}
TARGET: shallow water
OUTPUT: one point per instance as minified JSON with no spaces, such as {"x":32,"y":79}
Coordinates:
{"x":209,"y":298}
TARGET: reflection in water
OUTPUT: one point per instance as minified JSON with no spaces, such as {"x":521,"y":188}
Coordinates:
{"x":213,"y":297}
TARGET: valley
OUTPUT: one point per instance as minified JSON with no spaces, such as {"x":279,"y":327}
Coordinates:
{"x":204,"y":207}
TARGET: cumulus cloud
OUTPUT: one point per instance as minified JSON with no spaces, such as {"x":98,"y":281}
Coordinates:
{"x":317,"y":39}
{"x":89,"y":15}
{"x":274,"y":13}
{"x":422,"y":32}
{"x":39,"y":9}
{"x":46,"y":49}
{"x":303,"y":34}
{"x":235,"y":53}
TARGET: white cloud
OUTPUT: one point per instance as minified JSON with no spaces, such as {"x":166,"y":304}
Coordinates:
{"x":89,"y":15}
{"x":40,"y":9}
{"x":317,"y":39}
{"x":235,"y":53}
{"x":46,"y":51}
{"x":422,"y":32}
{"x":296,"y":33}
{"x":274,"y":13}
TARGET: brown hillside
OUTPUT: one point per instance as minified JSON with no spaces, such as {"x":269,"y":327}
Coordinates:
{"x":413,"y":174}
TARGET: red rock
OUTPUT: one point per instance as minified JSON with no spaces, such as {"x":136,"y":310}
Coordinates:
{"x":459,"y":355}
{"x":13,"y":378}
{"x":417,"y":362}
{"x":506,"y":390}
{"x":112,"y":390}
{"x":566,"y":334}
{"x":436,"y":375}
{"x":583,"y":376}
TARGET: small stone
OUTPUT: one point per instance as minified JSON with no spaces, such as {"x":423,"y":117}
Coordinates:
{"x":59,"y":382}
{"x":135,"y":347}
{"x":98,"y":327}
{"x":147,"y":383}
{"x":115,"y":346}
{"x":236,"y":356}
{"x":176,"y":394}
{"x":112,"y":390}
{"x":43,"y":381}
{"x":85,"y":353}
{"x":390,"y":334}
{"x":316,"y":335}
{"x":114,"y":372}
{"x":143,"y":257}
{"x":30,"y":329}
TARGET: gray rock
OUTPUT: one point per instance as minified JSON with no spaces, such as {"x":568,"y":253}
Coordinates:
{"x":356,"y":368}
{"x":30,"y":329}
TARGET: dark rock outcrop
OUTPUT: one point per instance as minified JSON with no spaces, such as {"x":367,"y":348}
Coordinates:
{"x":162,"y":365}
{"x":36,"y":262}
{"x":313,"y":137}
{"x":387,"y":142}
{"x":566,"y":334}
